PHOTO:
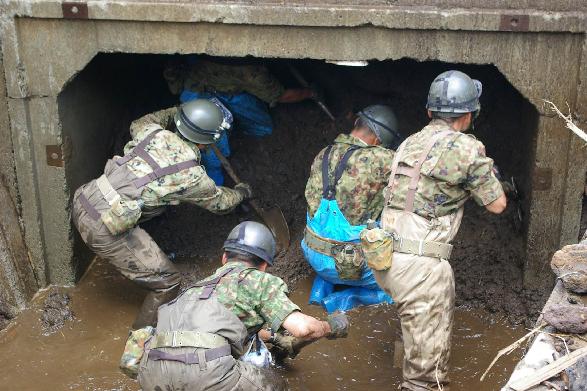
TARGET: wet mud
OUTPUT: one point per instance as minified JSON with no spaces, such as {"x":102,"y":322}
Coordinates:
{"x":84,"y":353}
{"x":56,"y":311}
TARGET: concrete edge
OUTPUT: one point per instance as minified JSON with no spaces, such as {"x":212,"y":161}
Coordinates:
{"x":418,"y":18}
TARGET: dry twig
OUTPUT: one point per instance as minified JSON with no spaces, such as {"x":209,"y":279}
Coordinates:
{"x":568,"y":121}
{"x":511,"y":348}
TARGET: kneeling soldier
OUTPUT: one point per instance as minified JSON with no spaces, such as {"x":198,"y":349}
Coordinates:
{"x":202,"y":332}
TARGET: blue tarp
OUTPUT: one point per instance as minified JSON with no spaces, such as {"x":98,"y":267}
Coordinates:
{"x":251,"y":117}
{"x":329,"y":290}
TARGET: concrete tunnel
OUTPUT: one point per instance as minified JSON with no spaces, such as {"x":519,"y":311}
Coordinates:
{"x":75,"y":80}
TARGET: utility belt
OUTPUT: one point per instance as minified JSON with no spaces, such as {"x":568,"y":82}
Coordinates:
{"x":348,"y":257}
{"x":180,"y":339}
{"x":215,"y":346}
{"x":421,"y":248}
{"x":123,"y":213}
{"x":191,"y":358}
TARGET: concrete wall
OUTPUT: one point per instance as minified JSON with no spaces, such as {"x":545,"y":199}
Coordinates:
{"x":545,"y":59}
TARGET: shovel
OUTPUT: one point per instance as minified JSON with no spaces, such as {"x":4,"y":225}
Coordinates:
{"x":272,"y":217}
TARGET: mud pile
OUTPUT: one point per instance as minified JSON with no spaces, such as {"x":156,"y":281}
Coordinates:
{"x":56,"y":311}
{"x":489,"y":251}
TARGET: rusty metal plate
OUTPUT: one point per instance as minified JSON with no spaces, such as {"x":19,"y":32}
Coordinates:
{"x":514,"y":23}
{"x":74,"y":10}
{"x":542,"y":178}
{"x":54,"y":156}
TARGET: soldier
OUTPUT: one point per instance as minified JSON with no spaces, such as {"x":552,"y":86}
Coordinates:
{"x":435,"y":171}
{"x":160,"y":167}
{"x":247,"y":90}
{"x":343,"y":192}
{"x":201,"y":334}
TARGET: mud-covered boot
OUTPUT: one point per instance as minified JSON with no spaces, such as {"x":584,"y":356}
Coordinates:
{"x":147,"y":315}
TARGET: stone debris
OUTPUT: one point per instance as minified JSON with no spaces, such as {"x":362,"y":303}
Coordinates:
{"x":570,"y":265}
{"x":570,"y":319}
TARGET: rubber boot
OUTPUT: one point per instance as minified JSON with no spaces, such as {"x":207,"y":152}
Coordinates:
{"x":147,"y":315}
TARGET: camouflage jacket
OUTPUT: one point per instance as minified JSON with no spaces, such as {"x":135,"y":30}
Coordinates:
{"x":190,"y":185}
{"x":207,"y":76}
{"x":359,"y":191}
{"x":255,"y":297}
{"x":456,"y":169}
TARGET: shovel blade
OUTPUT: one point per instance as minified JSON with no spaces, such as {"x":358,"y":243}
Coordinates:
{"x":274,"y":219}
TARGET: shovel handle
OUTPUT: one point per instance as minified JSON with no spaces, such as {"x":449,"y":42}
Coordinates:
{"x":228,"y":167}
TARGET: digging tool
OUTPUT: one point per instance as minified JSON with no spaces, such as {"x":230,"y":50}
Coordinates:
{"x":272,"y":217}
{"x":305,"y":84}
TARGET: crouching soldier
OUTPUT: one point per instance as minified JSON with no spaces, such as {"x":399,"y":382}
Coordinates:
{"x":200,"y":334}
{"x":160,"y":167}
{"x":343,"y":192}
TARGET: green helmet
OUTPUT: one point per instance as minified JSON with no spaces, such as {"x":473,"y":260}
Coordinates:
{"x":453,"y":93}
{"x":203,"y":121}
{"x":250,"y":237}
{"x":382,"y":121}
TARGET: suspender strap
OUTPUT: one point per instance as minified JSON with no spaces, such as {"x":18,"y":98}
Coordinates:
{"x":140,"y":147}
{"x":162,"y":171}
{"x":328,"y":190}
{"x":394,"y":171}
{"x":210,"y":285}
{"x":90,"y":210}
{"x":412,"y":172}
{"x":325,"y":181}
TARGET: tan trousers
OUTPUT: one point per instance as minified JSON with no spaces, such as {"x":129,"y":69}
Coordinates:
{"x":423,"y":290}
{"x":223,"y":374}
{"x":134,"y":253}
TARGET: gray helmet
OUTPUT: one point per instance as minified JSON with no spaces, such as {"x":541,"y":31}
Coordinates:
{"x":250,"y":237}
{"x":382,"y":121}
{"x":453,"y":93}
{"x":203,"y":121}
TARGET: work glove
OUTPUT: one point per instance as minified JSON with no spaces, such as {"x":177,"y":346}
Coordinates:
{"x":285,"y":346}
{"x":510,"y":189}
{"x":339,"y":325}
{"x":244,"y":189}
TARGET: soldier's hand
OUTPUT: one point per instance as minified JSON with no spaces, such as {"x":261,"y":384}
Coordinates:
{"x":339,"y":325}
{"x":245,"y":189}
{"x":286,"y":345}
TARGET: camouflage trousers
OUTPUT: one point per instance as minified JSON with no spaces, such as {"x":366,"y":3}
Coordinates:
{"x":423,"y":290}
{"x":134,"y":253}
{"x":222,"y":374}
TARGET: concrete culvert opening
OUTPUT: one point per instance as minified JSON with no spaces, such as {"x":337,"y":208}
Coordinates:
{"x":96,"y":109}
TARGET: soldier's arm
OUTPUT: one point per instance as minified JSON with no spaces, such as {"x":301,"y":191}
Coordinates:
{"x":157,"y":120}
{"x":216,"y":199}
{"x":481,"y":181}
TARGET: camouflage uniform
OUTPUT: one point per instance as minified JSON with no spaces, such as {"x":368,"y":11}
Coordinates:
{"x":112,"y":231}
{"x":454,"y":170}
{"x":207,"y":76}
{"x":241,"y":302}
{"x":359,"y":191}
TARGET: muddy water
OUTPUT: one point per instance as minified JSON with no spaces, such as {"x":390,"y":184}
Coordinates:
{"x":84,"y":354}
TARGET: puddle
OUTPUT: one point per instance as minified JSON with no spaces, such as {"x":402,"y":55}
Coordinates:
{"x":84,"y":354}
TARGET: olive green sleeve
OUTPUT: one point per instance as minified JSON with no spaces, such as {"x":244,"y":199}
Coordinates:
{"x":216,"y":199}
{"x":162,"y":119}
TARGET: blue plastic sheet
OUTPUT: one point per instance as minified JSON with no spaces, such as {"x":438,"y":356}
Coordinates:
{"x":251,"y":117}
{"x":328,"y":289}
